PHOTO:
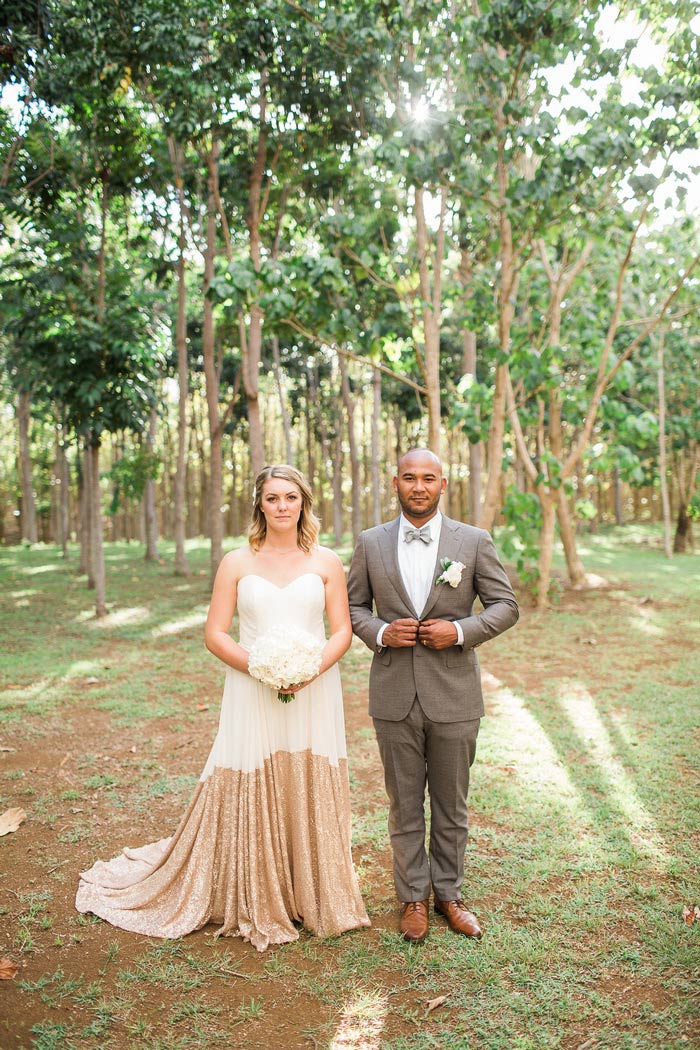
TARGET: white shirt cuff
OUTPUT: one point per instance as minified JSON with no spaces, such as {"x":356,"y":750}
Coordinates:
{"x":382,"y":629}
{"x":460,"y":633}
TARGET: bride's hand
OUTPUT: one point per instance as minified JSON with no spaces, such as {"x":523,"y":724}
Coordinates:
{"x":301,"y":685}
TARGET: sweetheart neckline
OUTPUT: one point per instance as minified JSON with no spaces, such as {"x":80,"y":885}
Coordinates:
{"x":277,"y":586}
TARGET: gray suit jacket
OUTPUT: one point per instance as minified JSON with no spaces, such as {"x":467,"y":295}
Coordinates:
{"x":447,"y":682}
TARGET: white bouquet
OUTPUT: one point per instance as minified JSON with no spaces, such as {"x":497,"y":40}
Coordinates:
{"x":285,"y":656}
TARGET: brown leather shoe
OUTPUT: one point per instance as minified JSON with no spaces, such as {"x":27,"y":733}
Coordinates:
{"x":458,"y":917}
{"x":414,"y":921}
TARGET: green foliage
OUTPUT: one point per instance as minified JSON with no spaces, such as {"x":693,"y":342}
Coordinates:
{"x":469,"y":408}
{"x":130,"y":474}
{"x":519,"y":540}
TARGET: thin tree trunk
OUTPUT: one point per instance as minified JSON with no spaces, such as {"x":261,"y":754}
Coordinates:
{"x":234,"y":517}
{"x":548,"y":506}
{"x":507,"y":290}
{"x":668,"y":548}
{"x":93,"y":453}
{"x":63,"y":481}
{"x":215,"y":495}
{"x":87,"y":516}
{"x":617,"y":492}
{"x":251,"y":342}
{"x":149,"y":500}
{"x":284,"y":410}
{"x":577,"y":573}
{"x":311,"y":395}
{"x":431,"y":294}
{"x":476,"y":448}
{"x":376,"y":417}
{"x":180,"y":508}
{"x":686,"y":483}
{"x":349,"y":406}
{"x":338,"y":486}
{"x":28,"y":517}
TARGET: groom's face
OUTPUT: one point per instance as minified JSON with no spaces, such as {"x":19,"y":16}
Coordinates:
{"x":419,"y":484}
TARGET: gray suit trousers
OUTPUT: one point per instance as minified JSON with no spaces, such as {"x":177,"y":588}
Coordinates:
{"x":416,"y":751}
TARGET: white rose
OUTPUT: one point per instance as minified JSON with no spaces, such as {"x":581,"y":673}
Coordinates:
{"x":453,"y":574}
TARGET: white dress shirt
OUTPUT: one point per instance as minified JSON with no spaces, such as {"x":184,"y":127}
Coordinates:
{"x":417,"y":565}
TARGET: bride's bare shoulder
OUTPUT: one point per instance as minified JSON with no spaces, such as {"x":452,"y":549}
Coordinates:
{"x":237,"y":561}
{"x":329,"y":560}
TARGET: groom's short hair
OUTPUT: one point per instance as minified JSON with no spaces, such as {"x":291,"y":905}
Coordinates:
{"x":422,"y":451}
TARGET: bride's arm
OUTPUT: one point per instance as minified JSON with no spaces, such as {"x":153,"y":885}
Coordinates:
{"x":337,"y":611}
{"x":223,"y":605}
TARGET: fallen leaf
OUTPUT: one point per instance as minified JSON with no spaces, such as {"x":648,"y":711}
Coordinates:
{"x":8,"y":748}
{"x":434,"y":1003}
{"x":690,"y":914}
{"x":10,"y":820}
{"x":64,"y":760}
{"x":590,"y":641}
{"x":92,"y":680}
{"x":201,"y":707}
{"x":8,"y":969}
{"x":133,"y":749}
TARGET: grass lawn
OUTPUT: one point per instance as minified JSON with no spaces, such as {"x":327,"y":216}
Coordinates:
{"x":584,"y":846}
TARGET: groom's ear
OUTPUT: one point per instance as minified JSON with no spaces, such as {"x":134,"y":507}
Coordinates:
{"x":443,"y":484}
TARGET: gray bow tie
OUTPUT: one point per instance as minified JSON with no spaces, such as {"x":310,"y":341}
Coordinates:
{"x":423,"y":533}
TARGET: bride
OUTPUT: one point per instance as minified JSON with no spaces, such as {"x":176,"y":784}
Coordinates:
{"x":265,"y":841}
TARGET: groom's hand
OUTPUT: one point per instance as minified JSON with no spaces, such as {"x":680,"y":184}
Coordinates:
{"x":401,"y":634}
{"x":437,"y":634}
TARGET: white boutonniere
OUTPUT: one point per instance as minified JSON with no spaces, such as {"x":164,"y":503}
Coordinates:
{"x":451,"y":572}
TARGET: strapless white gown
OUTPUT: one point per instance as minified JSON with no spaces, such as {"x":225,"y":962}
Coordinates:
{"x":265,"y":841}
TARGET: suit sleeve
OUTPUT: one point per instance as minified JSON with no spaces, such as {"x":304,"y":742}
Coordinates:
{"x":361,"y":598}
{"x":493,"y":587}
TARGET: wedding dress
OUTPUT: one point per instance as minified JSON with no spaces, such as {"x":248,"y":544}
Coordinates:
{"x":265,"y":841}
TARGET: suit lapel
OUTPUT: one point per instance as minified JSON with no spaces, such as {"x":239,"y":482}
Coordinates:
{"x":449,"y":546}
{"x":388,"y":548}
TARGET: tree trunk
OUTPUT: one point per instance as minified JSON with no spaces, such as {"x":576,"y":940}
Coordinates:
{"x":663,"y":480}
{"x":215,"y":495}
{"x":349,"y":405}
{"x":617,"y":491}
{"x":284,"y":411}
{"x":180,"y":508}
{"x":93,"y":453}
{"x":309,"y":419}
{"x":431,"y":294}
{"x":507,"y":290}
{"x":149,"y":496}
{"x":577,"y":573}
{"x":338,"y":486}
{"x":494,"y":454}
{"x":28,"y":518}
{"x":547,"y":503}
{"x":234,"y":517}
{"x":475,"y":448}
{"x":87,"y":553}
{"x":376,"y":417}
{"x":63,"y":480}
{"x":251,"y":343}
{"x":683,"y":526}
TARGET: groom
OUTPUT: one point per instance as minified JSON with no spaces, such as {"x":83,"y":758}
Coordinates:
{"x":425,"y":689}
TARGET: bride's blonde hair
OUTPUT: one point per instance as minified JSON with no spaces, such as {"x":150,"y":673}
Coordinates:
{"x":308,"y":525}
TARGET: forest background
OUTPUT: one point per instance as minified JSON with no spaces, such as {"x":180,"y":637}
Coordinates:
{"x":324,"y":232}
